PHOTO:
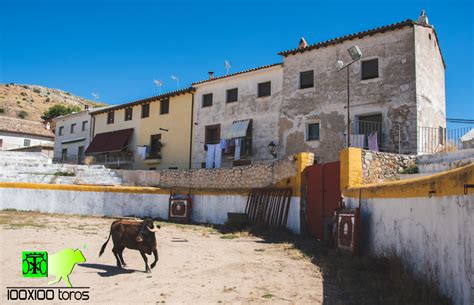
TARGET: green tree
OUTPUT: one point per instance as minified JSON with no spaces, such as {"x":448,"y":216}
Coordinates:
{"x":58,"y":110}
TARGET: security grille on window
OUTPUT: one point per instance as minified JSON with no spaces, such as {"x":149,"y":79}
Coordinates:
{"x":232,"y":95}
{"x":145,"y":110}
{"x":264,"y":89}
{"x":306,"y":79}
{"x":207,"y":100}
{"x":128,"y":114}
{"x":164,"y":106}
{"x":312,"y":132}
{"x":26,"y":142}
{"x":370,"y":68}
{"x":110,"y":117}
{"x":155,"y":147}
{"x":73,"y":126}
{"x":84,"y":124}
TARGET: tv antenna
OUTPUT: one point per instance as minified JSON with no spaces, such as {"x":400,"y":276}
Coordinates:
{"x":227,"y":66}
{"x":96,"y":96}
{"x":173,"y":77}
{"x":158,"y":83}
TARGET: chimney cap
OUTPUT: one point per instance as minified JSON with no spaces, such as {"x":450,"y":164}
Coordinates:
{"x":211,"y":74}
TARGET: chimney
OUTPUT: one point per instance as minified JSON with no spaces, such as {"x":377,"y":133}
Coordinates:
{"x":48,"y":126}
{"x":211,"y":74}
{"x":423,"y":19}
{"x":302,"y":44}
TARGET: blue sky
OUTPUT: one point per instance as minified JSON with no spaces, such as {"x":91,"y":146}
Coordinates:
{"x":116,"y":48}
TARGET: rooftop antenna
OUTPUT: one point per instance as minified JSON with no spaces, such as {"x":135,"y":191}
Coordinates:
{"x":96,"y":96}
{"x":227,"y":66}
{"x":158,"y":83}
{"x":176,"y":79}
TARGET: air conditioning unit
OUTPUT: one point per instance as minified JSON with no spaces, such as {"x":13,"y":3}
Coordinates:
{"x":180,"y":208}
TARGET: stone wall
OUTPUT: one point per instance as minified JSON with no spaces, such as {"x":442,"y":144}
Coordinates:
{"x":379,"y":166}
{"x":262,"y":174}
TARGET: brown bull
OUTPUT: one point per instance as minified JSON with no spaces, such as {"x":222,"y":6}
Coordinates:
{"x":132,"y":234}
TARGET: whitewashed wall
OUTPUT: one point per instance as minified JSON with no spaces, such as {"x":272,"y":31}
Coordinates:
{"x":206,"y":208}
{"x":433,"y":236}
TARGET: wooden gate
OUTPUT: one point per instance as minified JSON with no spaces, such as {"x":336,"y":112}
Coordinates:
{"x":323,"y":195}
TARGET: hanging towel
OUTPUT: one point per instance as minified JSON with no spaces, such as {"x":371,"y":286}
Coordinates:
{"x":358,"y":140}
{"x":373,"y":142}
{"x":222,"y":142}
{"x":227,"y":146}
{"x":217,"y":155}
{"x":237,"y":149}
{"x":141,"y":151}
{"x":210,"y":155}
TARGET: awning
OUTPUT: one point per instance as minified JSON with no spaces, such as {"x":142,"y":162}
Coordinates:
{"x":73,"y":141}
{"x":109,"y":141}
{"x":238,"y":129}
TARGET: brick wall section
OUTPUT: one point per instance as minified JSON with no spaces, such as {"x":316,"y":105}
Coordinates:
{"x":262,"y":174}
{"x":379,"y":166}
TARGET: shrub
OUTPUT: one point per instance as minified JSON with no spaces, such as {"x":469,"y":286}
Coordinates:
{"x":58,"y":110}
{"x":22,"y":114}
{"x":412,"y":169}
{"x":36,"y":90}
{"x":2,"y":110}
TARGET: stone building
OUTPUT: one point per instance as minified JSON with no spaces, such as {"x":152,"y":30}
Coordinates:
{"x":241,"y":105}
{"x":397,"y":95}
{"x":151,"y":133}
{"x":397,"y":88}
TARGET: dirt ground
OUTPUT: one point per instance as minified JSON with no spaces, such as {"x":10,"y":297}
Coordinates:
{"x":198,"y":264}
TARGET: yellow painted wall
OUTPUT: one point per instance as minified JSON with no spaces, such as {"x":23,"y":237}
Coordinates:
{"x":446,"y":183}
{"x":176,"y":146}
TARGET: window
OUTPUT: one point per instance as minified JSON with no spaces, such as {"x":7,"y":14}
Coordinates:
{"x":164,"y":106}
{"x":232,"y":95}
{"x":26,"y":142}
{"x":306,"y":79}
{"x":128,"y":113}
{"x":312,"y":132}
{"x":367,"y":125}
{"x":155,"y":147}
{"x":73,"y":126}
{"x":64,"y":154}
{"x":145,"y":110}
{"x":370,"y":68}
{"x":110,"y":117}
{"x":264,"y":89}
{"x":207,"y":100}
{"x":84,"y":125}
{"x":213,"y":134}
{"x":61,"y":130}
{"x":80,"y":154}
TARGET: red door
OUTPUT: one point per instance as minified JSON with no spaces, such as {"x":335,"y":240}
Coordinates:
{"x":323,"y":196}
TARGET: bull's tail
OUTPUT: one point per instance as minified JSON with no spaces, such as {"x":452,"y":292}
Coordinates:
{"x":105,"y":244}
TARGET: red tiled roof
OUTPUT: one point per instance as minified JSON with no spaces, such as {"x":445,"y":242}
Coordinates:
{"x":341,"y":39}
{"x":109,"y":141}
{"x":25,"y":127}
{"x":237,"y":73}
{"x":142,"y":101}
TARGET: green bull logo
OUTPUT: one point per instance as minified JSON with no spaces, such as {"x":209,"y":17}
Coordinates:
{"x":60,"y":264}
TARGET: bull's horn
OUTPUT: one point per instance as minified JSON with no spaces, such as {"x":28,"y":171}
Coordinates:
{"x":154,"y":229}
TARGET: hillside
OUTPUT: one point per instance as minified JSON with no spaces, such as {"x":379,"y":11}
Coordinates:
{"x":31,"y":101}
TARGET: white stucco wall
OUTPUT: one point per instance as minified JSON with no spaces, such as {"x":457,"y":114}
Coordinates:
{"x":264,"y":111}
{"x":206,"y":208}
{"x":433,"y":236}
{"x":16,"y":140}
{"x":65,"y":122}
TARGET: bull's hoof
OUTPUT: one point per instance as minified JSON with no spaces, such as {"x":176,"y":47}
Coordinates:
{"x":152,"y":265}
{"x":148,"y":271}
{"x":124,"y":265}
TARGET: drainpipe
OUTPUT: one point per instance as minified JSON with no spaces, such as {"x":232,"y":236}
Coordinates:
{"x":191,"y":131}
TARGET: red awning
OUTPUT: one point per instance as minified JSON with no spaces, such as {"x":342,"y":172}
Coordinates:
{"x":109,"y":141}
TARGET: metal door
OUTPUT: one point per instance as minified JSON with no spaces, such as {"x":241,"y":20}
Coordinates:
{"x":322,"y":196}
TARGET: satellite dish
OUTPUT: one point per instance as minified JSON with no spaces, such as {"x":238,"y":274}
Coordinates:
{"x":158,"y":83}
{"x":176,"y":79}
{"x":95,"y":96}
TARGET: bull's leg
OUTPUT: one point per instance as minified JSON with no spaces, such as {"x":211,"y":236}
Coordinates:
{"x":115,"y":251}
{"x":147,"y":269}
{"x":155,"y":253}
{"x":120,"y":254}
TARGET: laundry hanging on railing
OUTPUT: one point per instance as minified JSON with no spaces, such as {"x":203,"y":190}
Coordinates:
{"x":357,"y":140}
{"x":238,"y":143}
{"x":373,"y":141}
{"x":214,"y":155}
{"x":141,"y":151}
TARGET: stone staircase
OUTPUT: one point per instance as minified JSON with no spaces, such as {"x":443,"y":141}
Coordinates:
{"x":37,"y":168}
{"x":435,"y":163}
